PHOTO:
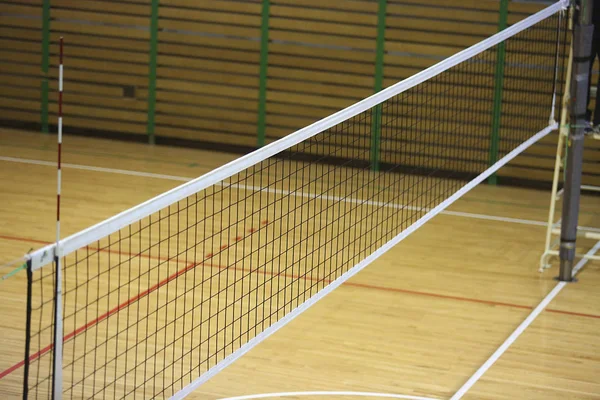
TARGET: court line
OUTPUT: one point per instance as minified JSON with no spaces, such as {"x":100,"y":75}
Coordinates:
{"x":351,"y":284}
{"x":101,"y":318}
{"x":576,"y":314}
{"x":468,"y":299}
{"x":104,"y":154}
{"x":210,"y":255}
{"x":328,"y":393}
{"x":26,"y":240}
{"x":97,"y":169}
{"x":119,"y":307}
{"x":103,"y":250}
{"x":520,"y":329}
{"x":188,"y":164}
{"x":275,"y":191}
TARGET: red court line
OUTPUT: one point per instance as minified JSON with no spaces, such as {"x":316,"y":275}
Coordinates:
{"x":14,"y":368}
{"x":116,"y":309}
{"x":573,"y":313}
{"x":27,"y":240}
{"x":471,"y":300}
{"x":441,"y":296}
{"x":307,"y":278}
{"x":361,"y":285}
{"x":105,"y":250}
{"x":101,"y":318}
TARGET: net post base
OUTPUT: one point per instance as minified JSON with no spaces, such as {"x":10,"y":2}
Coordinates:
{"x":572,"y":280}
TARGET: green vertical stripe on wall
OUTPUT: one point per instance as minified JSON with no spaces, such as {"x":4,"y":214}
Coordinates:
{"x":45,"y":64}
{"x":379,"y":59}
{"x":152,"y":71}
{"x":264,"y":66}
{"x":498,"y":85}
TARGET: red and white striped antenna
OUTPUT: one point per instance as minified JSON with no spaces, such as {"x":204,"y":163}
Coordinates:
{"x":59,"y":172}
{"x":58,"y":323}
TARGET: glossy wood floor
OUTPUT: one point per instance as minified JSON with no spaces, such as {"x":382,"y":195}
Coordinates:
{"x":419,"y":321}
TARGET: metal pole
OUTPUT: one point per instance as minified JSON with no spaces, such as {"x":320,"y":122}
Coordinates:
{"x":27,"y":333}
{"x":264,"y":67}
{"x":582,"y":49}
{"x":379,"y":63}
{"x":498,"y":86}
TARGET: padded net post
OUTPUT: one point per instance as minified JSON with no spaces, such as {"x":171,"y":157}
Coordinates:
{"x":582,"y":49}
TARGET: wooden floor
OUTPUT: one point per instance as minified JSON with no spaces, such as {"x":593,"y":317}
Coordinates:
{"x":419,"y":321}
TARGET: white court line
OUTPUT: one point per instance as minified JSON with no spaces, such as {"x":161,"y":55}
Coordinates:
{"x":96,"y":169}
{"x":357,"y":394}
{"x":276,"y":191}
{"x":520,"y":329}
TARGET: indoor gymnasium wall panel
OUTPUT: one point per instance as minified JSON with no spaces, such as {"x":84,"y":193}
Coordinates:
{"x":310,"y":42}
{"x":321,"y":58}
{"x":202,"y":101}
{"x":420,"y":35}
{"x":118,"y":8}
{"x":105,"y":47}
{"x":20,"y":60}
{"x":208,"y":67}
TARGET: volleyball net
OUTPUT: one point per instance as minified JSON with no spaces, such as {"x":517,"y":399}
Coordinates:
{"x":156,"y":300}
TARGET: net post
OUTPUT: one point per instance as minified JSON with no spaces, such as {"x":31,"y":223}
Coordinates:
{"x":45,"y":64}
{"x":582,"y":47}
{"x":264,"y":66}
{"x":498,"y":86}
{"x":563,"y":132}
{"x":378,"y":85}
{"x":26,"y":360}
{"x":150,"y":127}
{"x":57,"y":352}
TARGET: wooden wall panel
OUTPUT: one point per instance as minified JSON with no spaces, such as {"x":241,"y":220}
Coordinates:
{"x":418,"y":36}
{"x":208,"y":65}
{"x":20,"y":60}
{"x":106,"y":63}
{"x":321,"y":59}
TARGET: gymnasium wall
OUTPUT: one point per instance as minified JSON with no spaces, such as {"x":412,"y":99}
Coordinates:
{"x":200,"y":72}
{"x":20,"y":56}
